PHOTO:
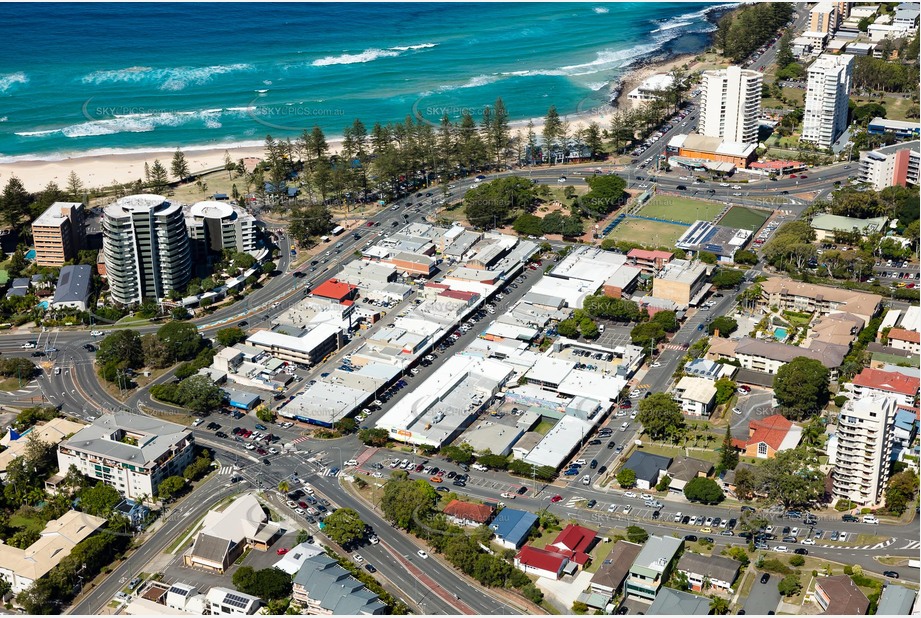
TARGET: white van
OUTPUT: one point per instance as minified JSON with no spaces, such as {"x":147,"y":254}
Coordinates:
{"x":624,"y":426}
{"x":587,"y":479}
{"x":677,"y":516}
{"x":870,"y":519}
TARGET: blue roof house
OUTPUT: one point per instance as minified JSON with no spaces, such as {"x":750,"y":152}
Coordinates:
{"x":512,"y":526}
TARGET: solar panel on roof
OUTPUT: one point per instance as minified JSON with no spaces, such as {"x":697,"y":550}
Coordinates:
{"x":235,"y":600}
{"x":179,"y":591}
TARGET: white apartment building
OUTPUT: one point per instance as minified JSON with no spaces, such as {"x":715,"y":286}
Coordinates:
{"x":898,"y":164}
{"x":146,"y":248}
{"x":828,"y":85}
{"x":216,"y":226}
{"x":731,"y":104}
{"x":823,"y":17}
{"x":861,"y":466}
{"x":130,"y":452}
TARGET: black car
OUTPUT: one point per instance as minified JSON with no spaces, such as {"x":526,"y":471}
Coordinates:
{"x":801,"y":551}
{"x":522,"y":490}
{"x":686,"y":519}
{"x":850,"y":518}
{"x":612,"y":444}
{"x":594,"y":442}
{"x":690,"y":538}
{"x":731,"y":524}
{"x":602,"y":469}
{"x":891,"y":574}
{"x":765,"y":578}
{"x":221,"y":434}
{"x":38,"y":353}
{"x":593,"y":464}
{"x":266,"y":461}
{"x":370,"y":568}
{"x":591,"y":504}
{"x":459,"y":483}
{"x":243,"y":324}
{"x":656,"y":514}
{"x":442,"y":489}
{"x":622,"y":610}
{"x":452,"y":474}
{"x":681,"y":188}
{"x":89,"y":347}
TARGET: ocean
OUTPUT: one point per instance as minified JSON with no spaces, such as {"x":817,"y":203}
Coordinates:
{"x":82,"y":79}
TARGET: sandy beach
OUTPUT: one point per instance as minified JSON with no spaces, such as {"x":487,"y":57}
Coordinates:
{"x":97,"y":171}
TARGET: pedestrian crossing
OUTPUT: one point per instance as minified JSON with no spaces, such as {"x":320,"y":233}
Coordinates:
{"x":673,"y":346}
{"x":225,"y":470}
{"x":573,"y":501}
{"x":912,"y":545}
{"x":299,"y":440}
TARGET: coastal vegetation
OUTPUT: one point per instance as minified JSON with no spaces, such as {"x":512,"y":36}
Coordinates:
{"x":741,"y":32}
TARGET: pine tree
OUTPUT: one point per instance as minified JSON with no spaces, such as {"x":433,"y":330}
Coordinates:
{"x":14,"y":203}
{"x":74,"y":187}
{"x":553,"y":131}
{"x":729,"y":457}
{"x":180,"y":166}
{"x":158,"y":177}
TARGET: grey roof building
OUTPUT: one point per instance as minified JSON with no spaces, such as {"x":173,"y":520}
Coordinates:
{"x":324,"y":587}
{"x":610,"y":576}
{"x":74,"y":285}
{"x":670,"y":602}
{"x":647,"y":467}
{"x":895,"y":600}
{"x":718,"y":571}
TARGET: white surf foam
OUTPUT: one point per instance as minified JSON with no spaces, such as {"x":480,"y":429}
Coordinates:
{"x":11,"y":79}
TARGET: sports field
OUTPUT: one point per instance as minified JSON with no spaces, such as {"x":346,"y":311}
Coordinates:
{"x":743,"y":218}
{"x":678,"y":208}
{"x":648,"y":233}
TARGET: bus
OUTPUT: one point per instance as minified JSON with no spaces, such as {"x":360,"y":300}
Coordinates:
{"x":337,"y":230}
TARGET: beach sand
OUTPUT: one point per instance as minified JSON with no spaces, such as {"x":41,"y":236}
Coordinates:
{"x":96,"y":171}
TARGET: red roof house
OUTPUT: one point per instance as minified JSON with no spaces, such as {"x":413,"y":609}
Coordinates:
{"x":335,"y":290}
{"x":889,"y":382}
{"x":540,"y":562}
{"x":574,"y":542}
{"x":768,"y":436}
{"x":902,"y":339}
{"x":467,"y":513}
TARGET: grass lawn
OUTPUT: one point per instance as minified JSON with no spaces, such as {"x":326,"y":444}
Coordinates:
{"x":744,"y":218}
{"x":673,"y":451}
{"x":598,"y":554}
{"x":678,"y":208}
{"x":893,"y":560}
{"x":21,"y":522}
{"x":12,"y":384}
{"x":648,"y":233}
{"x":895,"y":106}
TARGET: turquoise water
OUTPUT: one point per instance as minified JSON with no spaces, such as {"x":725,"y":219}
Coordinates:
{"x":30,"y":254}
{"x":43,"y":305}
{"x":98,"y":78}
{"x":780,"y":334}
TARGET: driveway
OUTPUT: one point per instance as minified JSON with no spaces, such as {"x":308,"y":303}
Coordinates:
{"x":763,"y":598}
{"x":756,"y":405}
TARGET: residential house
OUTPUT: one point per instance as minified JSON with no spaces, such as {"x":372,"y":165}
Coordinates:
{"x":769,"y":356}
{"x":75,"y":282}
{"x":227,"y":602}
{"x":876,"y":381}
{"x":769,"y":436}
{"x":709,"y":370}
{"x":907,"y":340}
{"x":134,"y":512}
{"x":512,"y":527}
{"x":671,"y":602}
{"x":647,"y":468}
{"x":323,"y":588}
{"x":790,"y":295}
{"x":839,"y":596}
{"x":652,"y":566}
{"x":683,"y":469}
{"x":826,"y":226}
{"x":574,"y":542}
{"x":896,"y":600}
{"x":540,"y":562}
{"x":467,"y":513}
{"x":705,"y":572}
{"x":610,"y":576}
{"x":696,"y":396}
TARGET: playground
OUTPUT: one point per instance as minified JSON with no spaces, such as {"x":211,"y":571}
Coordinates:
{"x":684,"y":209}
{"x":742,"y":218}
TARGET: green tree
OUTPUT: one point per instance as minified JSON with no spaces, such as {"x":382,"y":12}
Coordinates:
{"x":374,"y":436}
{"x":493,"y":203}
{"x":99,"y":500}
{"x":638,"y":535}
{"x":706,"y":257}
{"x":605,"y":196}
{"x":268,"y":584}
{"x":902,"y":489}
{"x":265,"y":414}
{"x":156,"y":354}
{"x":406,"y":502}
{"x":568,"y":328}
{"x":626,"y":477}
{"x":801,"y":387}
{"x":725,"y":389}
{"x":200,"y":394}
{"x":230,"y":336}
{"x":344,"y":526}
{"x":700,"y":489}
{"x":797,"y":561}
{"x":647,"y":334}
{"x":527,"y":225}
{"x":198,"y":468}
{"x":269,"y":267}
{"x":462,"y":454}
{"x":725,"y":278}
{"x":744,"y":256}
{"x":724,"y":324}
{"x":660,"y":416}
{"x":792,"y":477}
{"x":667,"y":320}
{"x":588,"y":328}
{"x":664,"y":483}
{"x":122,"y":347}
{"x":158,"y":177}
{"x":737,"y":552}
{"x":719,"y":605}
{"x":729,"y":456}
{"x":14,"y":202}
{"x":345,"y":425}
{"x":180,"y":166}
{"x":182,"y":340}
{"x":170,"y":487}
{"x":790,"y":585}
{"x":75,"y":187}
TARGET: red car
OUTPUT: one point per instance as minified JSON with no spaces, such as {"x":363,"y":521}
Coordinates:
{"x":556,"y":498}
{"x":303,"y":504}
{"x":626,"y":405}
{"x":792,"y":175}
{"x":369,"y":224}
{"x":281,"y":551}
{"x":803,"y":176}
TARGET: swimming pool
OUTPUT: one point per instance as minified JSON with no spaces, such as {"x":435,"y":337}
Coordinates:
{"x":780,"y":333}
{"x":30,"y":255}
{"x":43,"y":305}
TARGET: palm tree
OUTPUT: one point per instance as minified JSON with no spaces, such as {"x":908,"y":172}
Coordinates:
{"x":719,"y":605}
{"x":284,"y":487}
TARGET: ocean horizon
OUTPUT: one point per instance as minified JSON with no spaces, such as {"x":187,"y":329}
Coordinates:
{"x":89,"y":79}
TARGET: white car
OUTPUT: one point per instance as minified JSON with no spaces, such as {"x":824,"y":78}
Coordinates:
{"x":769,"y":529}
{"x":736,"y":411}
{"x":95,"y":333}
{"x":28,"y":345}
{"x":781,"y":549}
{"x":629,"y":494}
{"x":352,"y":462}
{"x":612,"y":508}
{"x":808,"y":542}
{"x":656,"y":364}
{"x":197,"y":422}
{"x":635,"y":393}
{"x":626,"y":509}
{"x":507,"y":495}
{"x":358,"y":558}
{"x":579,"y":462}
{"x":291,"y":504}
{"x":647,"y":497}
{"x":724,"y":184}
{"x":300,"y":511}
{"x":794,"y":532}
{"x":422,"y":554}
{"x":374,"y":540}
{"x":842,"y":536}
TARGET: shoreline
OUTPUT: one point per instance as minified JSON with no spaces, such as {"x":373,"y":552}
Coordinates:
{"x":97,"y":171}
